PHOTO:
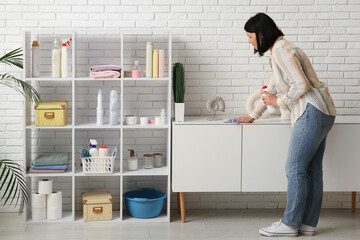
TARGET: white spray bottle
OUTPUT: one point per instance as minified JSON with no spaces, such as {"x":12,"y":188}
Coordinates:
{"x":113,"y":119}
{"x":99,"y":109}
{"x":94,"y":152}
{"x":272,"y":109}
{"x":64,"y":58}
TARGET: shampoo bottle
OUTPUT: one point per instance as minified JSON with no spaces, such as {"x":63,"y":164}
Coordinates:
{"x":99,"y":109}
{"x":113,"y":119}
{"x":56,"y":59}
{"x":35,"y":59}
{"x":161,"y":63}
{"x":132,"y":162}
{"x":94,"y":152}
{"x":272,"y":109}
{"x":155,"y":64}
{"x":149,"y":58}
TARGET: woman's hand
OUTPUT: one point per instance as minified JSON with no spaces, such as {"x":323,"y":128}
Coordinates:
{"x":245,"y":119}
{"x":269,"y":99}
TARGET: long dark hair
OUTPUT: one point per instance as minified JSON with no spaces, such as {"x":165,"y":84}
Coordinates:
{"x":262,"y":23}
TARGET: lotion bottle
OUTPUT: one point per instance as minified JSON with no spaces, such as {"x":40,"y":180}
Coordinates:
{"x":56,"y":59}
{"x":132,"y":162}
{"x":113,"y":119}
{"x":35,"y":59}
{"x":272,"y":109}
{"x":99,"y":109}
{"x":149,"y":59}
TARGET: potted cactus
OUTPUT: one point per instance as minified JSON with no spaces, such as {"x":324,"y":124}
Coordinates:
{"x":179,"y":91}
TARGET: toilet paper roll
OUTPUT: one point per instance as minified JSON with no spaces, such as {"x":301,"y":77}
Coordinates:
{"x":45,"y":186}
{"x":38,"y":200}
{"x":54,"y":213}
{"x":38,"y":213}
{"x":54,"y":199}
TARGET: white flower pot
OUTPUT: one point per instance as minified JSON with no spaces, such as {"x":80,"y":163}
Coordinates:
{"x":179,"y":112}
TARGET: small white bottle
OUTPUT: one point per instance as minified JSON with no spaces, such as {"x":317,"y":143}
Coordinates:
{"x":56,"y":59}
{"x":132,"y":162}
{"x":64,"y":60}
{"x":162,"y":116}
{"x":94,"y":152}
{"x":272,"y":109}
{"x":99,"y":110}
{"x":35,"y":59}
{"x":113,"y":119}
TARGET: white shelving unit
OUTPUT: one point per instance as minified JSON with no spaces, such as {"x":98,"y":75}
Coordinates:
{"x":137,"y":96}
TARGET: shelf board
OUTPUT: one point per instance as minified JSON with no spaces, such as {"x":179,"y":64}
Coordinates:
{"x":161,"y":218}
{"x":146,"y":79}
{"x":163,"y":171}
{"x":94,"y":126}
{"x":146,"y":126}
{"x":66,"y":218}
{"x":79,"y":172}
{"x":32,"y":126}
{"x":48,"y":78}
{"x":115,"y":218}
{"x":96,"y":79}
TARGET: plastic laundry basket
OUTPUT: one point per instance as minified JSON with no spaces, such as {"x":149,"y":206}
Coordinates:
{"x":145,"y":203}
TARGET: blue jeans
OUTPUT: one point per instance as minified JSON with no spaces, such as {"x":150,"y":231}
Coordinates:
{"x":304,"y":168}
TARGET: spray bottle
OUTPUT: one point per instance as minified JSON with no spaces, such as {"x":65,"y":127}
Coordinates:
{"x":64,"y":58}
{"x":272,"y":109}
{"x":94,"y":152}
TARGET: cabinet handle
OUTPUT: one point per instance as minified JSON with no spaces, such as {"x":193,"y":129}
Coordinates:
{"x":97,"y":209}
{"x":49,"y":115}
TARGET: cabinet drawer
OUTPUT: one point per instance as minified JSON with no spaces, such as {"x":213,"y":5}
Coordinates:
{"x":206,"y":158}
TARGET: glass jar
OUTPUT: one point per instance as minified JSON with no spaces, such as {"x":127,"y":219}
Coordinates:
{"x":148,"y":161}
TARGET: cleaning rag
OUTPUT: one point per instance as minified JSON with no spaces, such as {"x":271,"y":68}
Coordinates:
{"x":64,"y":166}
{"x":104,"y":74}
{"x":102,"y":68}
{"x":32,"y":170}
{"x":232,"y":120}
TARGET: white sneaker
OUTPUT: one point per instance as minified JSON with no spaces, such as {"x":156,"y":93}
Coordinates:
{"x":278,"y":229}
{"x":306,"y":230}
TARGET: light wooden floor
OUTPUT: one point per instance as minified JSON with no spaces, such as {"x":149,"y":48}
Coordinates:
{"x":339,"y":224}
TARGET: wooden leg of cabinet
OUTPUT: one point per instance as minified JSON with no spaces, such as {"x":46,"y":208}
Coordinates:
{"x":182,"y":206}
{"x":353,"y":201}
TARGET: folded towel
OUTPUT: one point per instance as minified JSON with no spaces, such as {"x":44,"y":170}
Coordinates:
{"x":104,"y":74}
{"x":32,"y":170}
{"x":55,"y":159}
{"x":64,"y":166}
{"x":101,"y":68}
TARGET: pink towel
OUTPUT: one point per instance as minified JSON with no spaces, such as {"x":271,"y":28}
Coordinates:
{"x":46,"y":170}
{"x":104,"y":74}
{"x":102,"y":68}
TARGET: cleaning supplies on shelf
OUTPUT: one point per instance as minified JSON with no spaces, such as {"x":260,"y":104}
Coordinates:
{"x":161,"y":63}
{"x":56,"y":59}
{"x":149,"y":59}
{"x":132,"y":162}
{"x":103,"y":151}
{"x":35,"y":59}
{"x":99,"y":109}
{"x":64,"y":58}
{"x":136,"y":73}
{"x":272,"y":109}
{"x":94,"y":152}
{"x":105,"y":71}
{"x":113,"y":119}
{"x":155,"y":64}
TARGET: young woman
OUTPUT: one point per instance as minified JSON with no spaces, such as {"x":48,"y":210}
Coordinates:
{"x":294,"y":85}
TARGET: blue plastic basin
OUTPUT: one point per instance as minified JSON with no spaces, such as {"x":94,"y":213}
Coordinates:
{"x":144,"y":203}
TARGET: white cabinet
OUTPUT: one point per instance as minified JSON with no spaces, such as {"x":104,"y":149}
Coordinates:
{"x":206,"y":158}
{"x":342,"y":158}
{"x":264,"y":155}
{"x":137,"y":96}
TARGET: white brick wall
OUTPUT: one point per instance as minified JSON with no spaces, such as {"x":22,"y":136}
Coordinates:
{"x":209,"y":38}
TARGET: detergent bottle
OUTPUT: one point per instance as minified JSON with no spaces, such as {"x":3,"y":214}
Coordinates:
{"x":272,"y":109}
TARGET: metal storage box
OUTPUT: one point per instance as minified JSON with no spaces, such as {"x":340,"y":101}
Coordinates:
{"x":97,"y":206}
{"x":50,"y":114}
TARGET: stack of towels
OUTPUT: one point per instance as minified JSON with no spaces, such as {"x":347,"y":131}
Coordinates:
{"x":105,"y":71}
{"x":56,"y":163}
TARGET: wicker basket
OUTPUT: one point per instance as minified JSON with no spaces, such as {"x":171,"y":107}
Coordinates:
{"x":96,"y":165}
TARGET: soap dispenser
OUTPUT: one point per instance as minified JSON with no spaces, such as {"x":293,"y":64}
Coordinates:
{"x":94,"y":152}
{"x":132,"y":162}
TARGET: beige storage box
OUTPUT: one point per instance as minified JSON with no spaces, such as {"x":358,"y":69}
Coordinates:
{"x":50,"y":114}
{"x":97,"y":206}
